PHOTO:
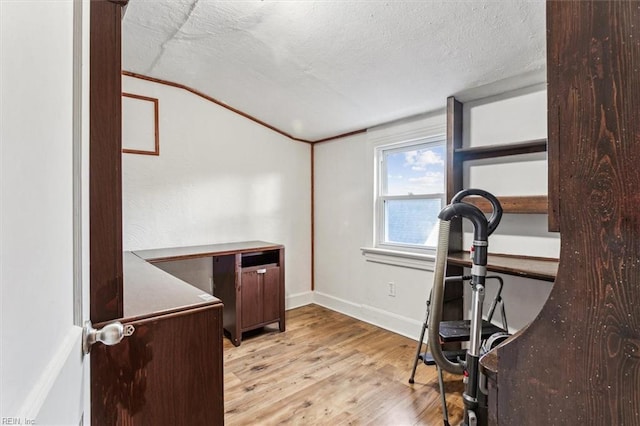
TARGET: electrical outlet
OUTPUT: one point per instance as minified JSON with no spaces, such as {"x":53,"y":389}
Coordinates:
{"x":392,"y":289}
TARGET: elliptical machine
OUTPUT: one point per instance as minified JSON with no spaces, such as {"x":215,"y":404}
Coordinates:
{"x":475,"y":401}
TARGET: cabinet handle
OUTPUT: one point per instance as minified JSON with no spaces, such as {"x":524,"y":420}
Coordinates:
{"x":262,"y":271}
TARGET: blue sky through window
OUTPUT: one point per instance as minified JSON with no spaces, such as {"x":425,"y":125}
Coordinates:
{"x":419,"y":171}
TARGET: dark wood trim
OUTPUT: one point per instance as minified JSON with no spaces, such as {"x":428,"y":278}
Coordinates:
{"x":502,"y":150}
{"x":538,"y":268}
{"x":282,"y":296}
{"x":237,"y":111}
{"x":553,"y":149}
{"x":169,"y":314}
{"x":213,"y":100}
{"x":156,"y":116}
{"x":343,"y":135}
{"x":105,"y":183}
{"x":454,"y":166}
{"x":453,"y":308}
{"x":532,"y":204}
{"x":313,"y":218}
{"x":141,"y":97}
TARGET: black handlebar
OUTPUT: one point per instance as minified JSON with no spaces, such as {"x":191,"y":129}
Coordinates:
{"x":496,"y":214}
{"x":468,"y":211}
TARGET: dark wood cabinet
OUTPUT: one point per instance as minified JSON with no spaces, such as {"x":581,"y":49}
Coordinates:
{"x":260,"y":293}
{"x":251,"y":299}
{"x":271,"y":294}
{"x":251,"y":285}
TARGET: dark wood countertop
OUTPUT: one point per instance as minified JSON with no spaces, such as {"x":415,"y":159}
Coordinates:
{"x":149,"y":291}
{"x":539,"y":268}
{"x":179,"y":253}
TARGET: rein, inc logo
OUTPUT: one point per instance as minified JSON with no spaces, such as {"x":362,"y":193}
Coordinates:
{"x":16,"y":421}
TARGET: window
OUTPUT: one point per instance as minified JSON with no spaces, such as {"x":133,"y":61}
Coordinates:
{"x":410,"y":194}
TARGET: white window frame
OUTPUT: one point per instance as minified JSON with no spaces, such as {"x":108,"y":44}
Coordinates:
{"x":380,"y":198}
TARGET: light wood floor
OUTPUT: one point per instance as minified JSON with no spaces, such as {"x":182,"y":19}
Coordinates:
{"x":330,"y":369}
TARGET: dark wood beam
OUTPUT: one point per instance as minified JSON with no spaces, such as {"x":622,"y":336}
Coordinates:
{"x":503,"y":150}
{"x":578,"y":362}
{"x":105,"y":166}
{"x":517,"y":205}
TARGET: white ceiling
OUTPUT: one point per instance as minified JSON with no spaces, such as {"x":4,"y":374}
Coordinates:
{"x":316,"y":69}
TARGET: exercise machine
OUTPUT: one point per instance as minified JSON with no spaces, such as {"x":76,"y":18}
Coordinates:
{"x":459,"y":331}
{"x":475,"y":403}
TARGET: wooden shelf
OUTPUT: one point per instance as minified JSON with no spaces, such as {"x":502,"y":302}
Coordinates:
{"x":502,"y":150}
{"x":539,"y":268}
{"x":518,"y":205}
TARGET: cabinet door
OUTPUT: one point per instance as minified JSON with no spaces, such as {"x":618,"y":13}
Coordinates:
{"x":151,"y":377}
{"x":251,"y":296}
{"x":271,"y":294}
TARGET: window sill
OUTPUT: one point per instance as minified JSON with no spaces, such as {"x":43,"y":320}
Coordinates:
{"x":403,"y":259}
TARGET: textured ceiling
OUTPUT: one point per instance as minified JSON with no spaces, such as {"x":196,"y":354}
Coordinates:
{"x":316,"y":69}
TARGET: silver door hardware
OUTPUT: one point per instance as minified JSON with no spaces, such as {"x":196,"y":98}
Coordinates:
{"x":262,"y":271}
{"x":110,"y":334}
{"x":128,"y":330}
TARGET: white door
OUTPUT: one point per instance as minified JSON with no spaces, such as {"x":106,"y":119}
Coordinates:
{"x":43,"y":143}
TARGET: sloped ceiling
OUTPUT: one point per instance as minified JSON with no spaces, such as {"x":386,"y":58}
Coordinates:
{"x":316,"y":69}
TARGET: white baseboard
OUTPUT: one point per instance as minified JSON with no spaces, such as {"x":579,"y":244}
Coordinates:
{"x":339,"y":305}
{"x":399,"y":324}
{"x":299,"y":299}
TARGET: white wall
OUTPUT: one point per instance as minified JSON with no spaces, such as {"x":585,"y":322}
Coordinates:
{"x":40,"y":346}
{"x":512,"y":117}
{"x":344,"y":185}
{"x":344,"y":193}
{"x":507,"y":118}
{"x":219,"y":178}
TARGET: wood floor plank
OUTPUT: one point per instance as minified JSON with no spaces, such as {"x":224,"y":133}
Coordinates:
{"x":330,"y":369}
{"x":259,"y":394}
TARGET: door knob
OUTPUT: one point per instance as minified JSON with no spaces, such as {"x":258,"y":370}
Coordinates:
{"x":110,"y":334}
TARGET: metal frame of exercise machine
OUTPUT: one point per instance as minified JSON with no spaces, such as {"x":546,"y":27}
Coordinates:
{"x":475,"y":404}
{"x":454,"y":355}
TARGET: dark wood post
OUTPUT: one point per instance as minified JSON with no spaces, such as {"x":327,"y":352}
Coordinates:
{"x":105,"y":183}
{"x":578,"y":363}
